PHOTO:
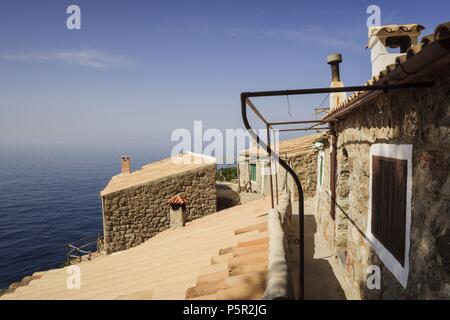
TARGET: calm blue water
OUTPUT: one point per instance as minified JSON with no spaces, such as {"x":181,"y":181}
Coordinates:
{"x":49,"y":196}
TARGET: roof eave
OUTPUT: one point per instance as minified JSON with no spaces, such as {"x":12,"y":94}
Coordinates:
{"x":407,"y":68}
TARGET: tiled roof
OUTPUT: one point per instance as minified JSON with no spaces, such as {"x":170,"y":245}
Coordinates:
{"x":432,"y":49}
{"x":290,"y":147}
{"x":176,"y":200}
{"x":157,"y":170}
{"x":220,"y":256}
{"x":404,"y":28}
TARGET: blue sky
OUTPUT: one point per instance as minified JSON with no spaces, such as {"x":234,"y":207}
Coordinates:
{"x":139,"y":69}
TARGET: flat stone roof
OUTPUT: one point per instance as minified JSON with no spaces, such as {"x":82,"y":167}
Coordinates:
{"x":156,"y":170}
{"x":288,"y":148}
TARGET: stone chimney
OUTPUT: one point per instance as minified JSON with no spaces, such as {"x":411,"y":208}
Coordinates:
{"x":336,"y":98}
{"x":177,"y":213}
{"x":126,"y":166}
{"x":382,"y":38}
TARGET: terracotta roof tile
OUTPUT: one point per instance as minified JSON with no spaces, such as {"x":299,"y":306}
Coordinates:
{"x":177,"y":200}
{"x":403,"y":28}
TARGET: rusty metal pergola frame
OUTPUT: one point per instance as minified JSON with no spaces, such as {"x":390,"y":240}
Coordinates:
{"x":246,"y":102}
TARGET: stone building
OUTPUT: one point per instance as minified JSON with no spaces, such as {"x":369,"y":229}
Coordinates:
{"x":135,"y":204}
{"x":300,"y":153}
{"x":384,"y":200}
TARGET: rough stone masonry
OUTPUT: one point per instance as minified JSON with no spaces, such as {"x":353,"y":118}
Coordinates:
{"x":135,"y":214}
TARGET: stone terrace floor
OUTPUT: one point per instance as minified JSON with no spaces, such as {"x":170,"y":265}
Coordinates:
{"x":167,"y":265}
{"x":323,"y":277}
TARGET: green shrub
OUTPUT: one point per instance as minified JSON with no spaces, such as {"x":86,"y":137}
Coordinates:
{"x":226,"y":174}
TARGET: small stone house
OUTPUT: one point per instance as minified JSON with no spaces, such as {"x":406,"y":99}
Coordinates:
{"x":384,"y":200}
{"x":135,"y":204}
{"x":300,"y":153}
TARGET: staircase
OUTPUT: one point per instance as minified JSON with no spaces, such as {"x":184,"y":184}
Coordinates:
{"x":237,"y":272}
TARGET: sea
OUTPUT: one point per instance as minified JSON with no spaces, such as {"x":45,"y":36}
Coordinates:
{"x":49,"y":197}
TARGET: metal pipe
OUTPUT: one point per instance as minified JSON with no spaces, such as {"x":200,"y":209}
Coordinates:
{"x":331,"y":90}
{"x":283,"y":163}
{"x":294,"y":122}
{"x":303,"y":129}
{"x":245,"y":100}
{"x":276,"y":169}
{"x":333,"y":171}
{"x":334,"y":60}
{"x":259,"y":115}
{"x":269,"y":157}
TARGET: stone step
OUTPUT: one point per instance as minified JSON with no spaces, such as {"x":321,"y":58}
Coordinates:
{"x":239,"y":261}
{"x":242,"y":292}
{"x":251,"y":235}
{"x":212,"y":277}
{"x":205,"y":289}
{"x":251,"y":278}
{"x":224,"y":251}
{"x":221,"y":258}
{"x":213,"y":268}
{"x":262,"y":240}
{"x":261,"y":227}
{"x":251,"y":267}
{"x":241,"y":251}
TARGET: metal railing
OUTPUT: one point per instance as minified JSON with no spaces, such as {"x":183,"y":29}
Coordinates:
{"x":83,"y":248}
{"x":246,"y":102}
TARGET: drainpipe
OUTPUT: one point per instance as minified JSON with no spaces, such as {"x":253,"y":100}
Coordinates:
{"x":333,"y":170}
{"x":269,"y":157}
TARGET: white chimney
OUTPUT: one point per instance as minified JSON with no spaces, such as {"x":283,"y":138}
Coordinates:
{"x":336,"y":98}
{"x":391,"y":36}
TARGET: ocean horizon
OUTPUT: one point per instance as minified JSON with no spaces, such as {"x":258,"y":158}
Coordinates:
{"x":49,"y":196}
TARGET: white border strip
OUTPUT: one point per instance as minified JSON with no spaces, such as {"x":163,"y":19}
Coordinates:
{"x":401,"y":152}
{"x":321,"y":154}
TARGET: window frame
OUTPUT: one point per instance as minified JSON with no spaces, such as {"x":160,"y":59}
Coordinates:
{"x":398,"y":152}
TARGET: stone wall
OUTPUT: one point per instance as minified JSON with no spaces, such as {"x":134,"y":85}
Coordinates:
{"x":305,"y":165}
{"x":136,"y":214}
{"x":420,"y":117}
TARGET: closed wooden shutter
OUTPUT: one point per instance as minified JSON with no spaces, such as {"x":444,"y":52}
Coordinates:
{"x":389,"y":178}
{"x":253,"y":172}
